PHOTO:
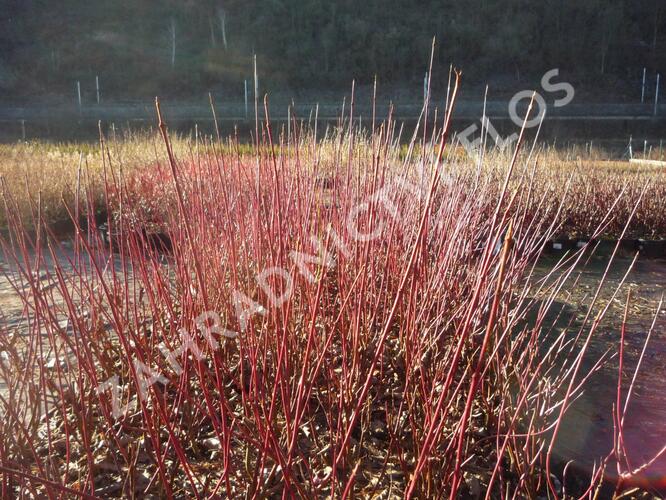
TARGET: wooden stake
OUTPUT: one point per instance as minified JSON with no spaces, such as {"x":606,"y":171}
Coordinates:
{"x":656,"y":96}
{"x":213,"y":41}
{"x":173,"y":43}
{"x":212,"y":107}
{"x":246,"y":100}
{"x":425,"y":87}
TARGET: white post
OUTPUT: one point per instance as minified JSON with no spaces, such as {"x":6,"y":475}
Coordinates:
{"x":656,"y":96}
{"x":246,"y":99}
{"x":78,"y":92}
{"x":213,"y":41}
{"x":223,"y":25}
{"x":425,"y":87}
{"x":256,"y":78}
{"x":173,"y":42}
{"x":256,"y":96}
{"x":97,"y":87}
{"x":23,"y":129}
{"x":643,"y":87}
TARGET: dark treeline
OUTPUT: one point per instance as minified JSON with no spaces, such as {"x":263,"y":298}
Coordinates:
{"x":182,"y":48}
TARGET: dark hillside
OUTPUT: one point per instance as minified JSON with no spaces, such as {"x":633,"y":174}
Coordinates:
{"x":140,"y":48}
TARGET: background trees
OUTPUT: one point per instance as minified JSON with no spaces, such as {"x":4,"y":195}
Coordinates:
{"x":181,"y":48}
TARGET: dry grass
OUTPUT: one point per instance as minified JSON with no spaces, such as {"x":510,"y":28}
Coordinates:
{"x":50,"y":170}
{"x":32,"y":169}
